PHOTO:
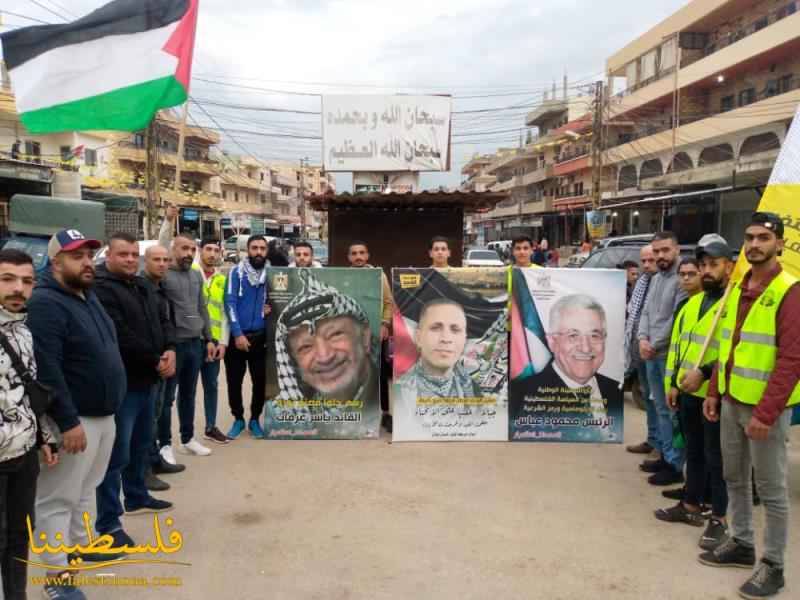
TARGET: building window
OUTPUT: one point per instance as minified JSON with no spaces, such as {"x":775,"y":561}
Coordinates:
{"x":138,"y":140}
{"x":33,"y":151}
{"x":747,"y":96}
{"x":66,"y":153}
{"x":726,"y":104}
{"x":785,"y":83}
{"x":772,"y":88}
{"x":235,"y":196}
{"x":90,"y":157}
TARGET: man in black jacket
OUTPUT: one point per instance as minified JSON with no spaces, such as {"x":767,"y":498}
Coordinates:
{"x":148,"y":356}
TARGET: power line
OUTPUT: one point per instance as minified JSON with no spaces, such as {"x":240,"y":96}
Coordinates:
{"x":8,"y":12}
{"x":50,"y":10}
{"x":63,"y":8}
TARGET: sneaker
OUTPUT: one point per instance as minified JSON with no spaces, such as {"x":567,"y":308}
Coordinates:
{"x":654,"y":466}
{"x":153,"y":483}
{"x":643,"y":448}
{"x":236,"y":429}
{"x":168,"y":455}
{"x":654,"y":454}
{"x":216,"y":436}
{"x":59,"y":586}
{"x":194,"y":447}
{"x":151,"y":505}
{"x":714,"y":535}
{"x":674,"y":494}
{"x":162,"y":467}
{"x":120,"y":539}
{"x":386,"y":422}
{"x":255,"y":429}
{"x":729,"y":554}
{"x":668,"y":476}
{"x":766,"y":582}
{"x":679,"y":514}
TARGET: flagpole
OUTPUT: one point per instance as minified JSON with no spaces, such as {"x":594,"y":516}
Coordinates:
{"x":179,"y":160}
{"x":152,"y":181}
{"x":712,"y":331}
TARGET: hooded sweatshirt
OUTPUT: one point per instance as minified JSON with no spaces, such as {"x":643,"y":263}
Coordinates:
{"x":77,"y":353}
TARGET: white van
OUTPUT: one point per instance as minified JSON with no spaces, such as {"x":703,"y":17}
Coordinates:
{"x":502,"y":247}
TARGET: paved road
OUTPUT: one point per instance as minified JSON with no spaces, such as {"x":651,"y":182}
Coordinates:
{"x":371,"y":520}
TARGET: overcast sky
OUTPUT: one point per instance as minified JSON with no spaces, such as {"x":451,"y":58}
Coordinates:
{"x":487,"y":54}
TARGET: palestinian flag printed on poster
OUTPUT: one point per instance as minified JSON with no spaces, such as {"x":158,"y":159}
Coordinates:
{"x":111,"y":70}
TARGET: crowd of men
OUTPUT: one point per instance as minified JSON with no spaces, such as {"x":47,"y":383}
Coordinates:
{"x":118,"y":347}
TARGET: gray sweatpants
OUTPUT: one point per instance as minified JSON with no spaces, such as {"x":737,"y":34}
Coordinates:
{"x":67,"y":490}
{"x":768,"y":460}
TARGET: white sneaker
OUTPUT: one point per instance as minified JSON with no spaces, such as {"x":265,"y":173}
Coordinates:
{"x":194,"y":447}
{"x":168,"y":455}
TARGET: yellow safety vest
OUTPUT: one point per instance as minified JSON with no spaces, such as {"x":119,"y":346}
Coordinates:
{"x":755,"y":354}
{"x":688,"y":336}
{"x":214,"y":292}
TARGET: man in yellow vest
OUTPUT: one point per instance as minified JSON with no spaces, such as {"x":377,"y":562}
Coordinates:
{"x":757,"y":374}
{"x":214,"y":291}
{"x":686,"y":388}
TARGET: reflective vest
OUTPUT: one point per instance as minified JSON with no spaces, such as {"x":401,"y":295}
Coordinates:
{"x":688,"y":336}
{"x":755,"y":354}
{"x":214,"y":292}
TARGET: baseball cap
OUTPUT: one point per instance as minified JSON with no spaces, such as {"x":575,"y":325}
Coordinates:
{"x":770,"y":220}
{"x":711,"y":237}
{"x":67,"y":240}
{"x":715,"y":249}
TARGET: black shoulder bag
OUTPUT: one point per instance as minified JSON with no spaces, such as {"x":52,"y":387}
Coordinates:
{"x":40,"y":396}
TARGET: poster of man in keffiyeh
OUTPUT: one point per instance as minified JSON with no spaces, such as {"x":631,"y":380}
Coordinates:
{"x":323,"y":363}
{"x":450,"y":354}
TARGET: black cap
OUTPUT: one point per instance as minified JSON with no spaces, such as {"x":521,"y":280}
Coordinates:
{"x":770,"y":220}
{"x":714,"y":250}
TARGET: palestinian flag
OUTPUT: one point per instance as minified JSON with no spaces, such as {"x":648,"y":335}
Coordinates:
{"x":111,"y":70}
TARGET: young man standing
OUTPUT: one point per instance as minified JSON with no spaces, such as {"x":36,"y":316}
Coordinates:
{"x":304,"y":256}
{"x":148,"y":356}
{"x":439,"y":252}
{"x":77,"y":355}
{"x":22,"y":431}
{"x":757,"y":376}
{"x":358,"y":257}
{"x":246,"y":305}
{"x":522,"y":251}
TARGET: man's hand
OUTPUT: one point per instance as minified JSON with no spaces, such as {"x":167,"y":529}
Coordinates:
{"x":267,"y":310}
{"x":646,"y":349}
{"x":672,"y":399}
{"x":242,"y":343}
{"x":49,"y":457}
{"x":74,"y":440}
{"x":692,"y":380}
{"x":711,"y":409}
{"x":211,"y":351}
{"x":221,"y":348}
{"x":756,"y":430}
{"x":171,"y":212}
{"x":166,"y":365}
{"x":384,"y":332}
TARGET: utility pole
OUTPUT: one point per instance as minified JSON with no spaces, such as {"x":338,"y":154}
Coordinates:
{"x":152,"y":179}
{"x":303,"y":163}
{"x":598,"y":144}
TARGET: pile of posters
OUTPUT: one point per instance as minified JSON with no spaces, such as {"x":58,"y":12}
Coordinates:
{"x":566,"y":364}
{"x":450,"y":354}
{"x":323,"y":359}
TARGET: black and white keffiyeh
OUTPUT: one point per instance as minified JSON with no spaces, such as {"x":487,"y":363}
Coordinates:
{"x":255,"y":277}
{"x":315,"y":302}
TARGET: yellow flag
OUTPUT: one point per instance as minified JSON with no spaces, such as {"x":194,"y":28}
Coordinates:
{"x":782,"y":197}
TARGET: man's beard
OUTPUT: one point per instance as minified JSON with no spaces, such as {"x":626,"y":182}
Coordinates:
{"x":257,"y":262}
{"x":76,"y":282}
{"x":664,"y":265}
{"x":762,"y":258}
{"x":5,"y":300}
{"x":713,"y":285}
{"x":185,"y":263}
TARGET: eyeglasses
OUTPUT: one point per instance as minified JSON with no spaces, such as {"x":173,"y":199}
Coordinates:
{"x":574,"y":337}
{"x":687,"y":275}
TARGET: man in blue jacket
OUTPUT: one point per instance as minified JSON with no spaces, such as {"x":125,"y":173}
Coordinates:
{"x":77,"y":354}
{"x":246,"y":307}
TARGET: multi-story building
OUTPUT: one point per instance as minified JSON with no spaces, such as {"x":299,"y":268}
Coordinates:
{"x":709,"y":94}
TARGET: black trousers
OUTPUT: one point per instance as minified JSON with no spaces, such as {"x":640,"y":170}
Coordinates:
{"x":17,"y":498}
{"x":236,"y":365}
{"x":703,"y":456}
{"x":386,"y":375}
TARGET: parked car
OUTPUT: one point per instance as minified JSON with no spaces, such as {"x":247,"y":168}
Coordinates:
{"x":482,"y":257}
{"x":502,"y":247}
{"x":641,"y":239}
{"x":577,"y":259}
{"x":100,"y":257}
{"x":612,"y":257}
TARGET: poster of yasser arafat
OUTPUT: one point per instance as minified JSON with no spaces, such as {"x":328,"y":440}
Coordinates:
{"x":450,"y":354}
{"x":567,"y":328}
{"x":323,"y":353}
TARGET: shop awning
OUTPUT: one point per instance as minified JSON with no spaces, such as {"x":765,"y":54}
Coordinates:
{"x":649,"y":199}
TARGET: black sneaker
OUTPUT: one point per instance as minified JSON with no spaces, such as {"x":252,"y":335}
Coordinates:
{"x":386,"y":422}
{"x":654,"y":466}
{"x":668,"y":476}
{"x":729,"y":554}
{"x":120,"y":539}
{"x":216,"y":436}
{"x":766,"y":582}
{"x":162,"y":467}
{"x":674,"y":494}
{"x":714,"y":535}
{"x":153,"y":483}
{"x":152,"y":505}
{"x":679,"y":514}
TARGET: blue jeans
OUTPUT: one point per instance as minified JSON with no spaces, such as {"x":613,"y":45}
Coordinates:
{"x":189,"y":356}
{"x":656,"y":370}
{"x":129,"y":457}
{"x":650,"y":407}
{"x":155,"y":457}
{"x":209,"y":374}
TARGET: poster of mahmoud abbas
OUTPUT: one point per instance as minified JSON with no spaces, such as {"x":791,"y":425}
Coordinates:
{"x":322,"y":377}
{"x":567,"y":328}
{"x":450,"y":354}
